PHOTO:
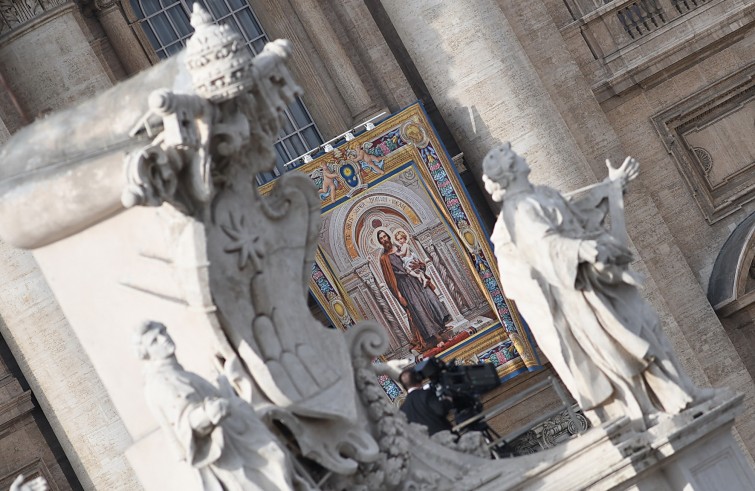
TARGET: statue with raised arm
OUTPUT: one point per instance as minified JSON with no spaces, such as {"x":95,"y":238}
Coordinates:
{"x":219,"y":435}
{"x":569,"y":274}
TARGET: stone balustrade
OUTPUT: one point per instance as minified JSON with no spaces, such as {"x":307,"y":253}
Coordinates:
{"x":635,"y":41}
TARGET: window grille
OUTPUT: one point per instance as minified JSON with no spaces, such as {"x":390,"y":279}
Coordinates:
{"x":166,"y":25}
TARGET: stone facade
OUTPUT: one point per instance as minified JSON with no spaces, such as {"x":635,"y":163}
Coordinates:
{"x":27,"y":443}
{"x":570,"y":82}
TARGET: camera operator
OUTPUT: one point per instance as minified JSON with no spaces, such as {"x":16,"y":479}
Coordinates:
{"x":422,"y":405}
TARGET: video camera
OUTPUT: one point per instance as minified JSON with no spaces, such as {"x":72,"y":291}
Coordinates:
{"x":462,"y":384}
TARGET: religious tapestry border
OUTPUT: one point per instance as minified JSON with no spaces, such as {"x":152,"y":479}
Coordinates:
{"x":368,"y":173}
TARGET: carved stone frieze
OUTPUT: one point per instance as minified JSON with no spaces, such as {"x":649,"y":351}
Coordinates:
{"x":550,"y":433}
{"x":14,"y":13}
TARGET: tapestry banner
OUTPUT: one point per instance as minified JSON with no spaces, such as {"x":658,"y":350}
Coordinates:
{"x":402,"y":244}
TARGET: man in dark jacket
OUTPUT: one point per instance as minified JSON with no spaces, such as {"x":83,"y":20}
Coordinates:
{"x":422,"y":406}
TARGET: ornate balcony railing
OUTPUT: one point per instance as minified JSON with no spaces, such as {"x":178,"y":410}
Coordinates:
{"x":633,"y":41}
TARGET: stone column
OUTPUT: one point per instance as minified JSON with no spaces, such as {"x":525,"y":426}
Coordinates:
{"x":379,"y":63}
{"x":336,"y":60}
{"x":121,"y":36}
{"x":365,"y":274}
{"x":486,"y":88}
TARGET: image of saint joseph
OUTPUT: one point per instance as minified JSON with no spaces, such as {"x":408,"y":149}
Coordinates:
{"x":427,"y":315}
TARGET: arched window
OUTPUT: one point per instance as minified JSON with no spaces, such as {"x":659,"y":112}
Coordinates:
{"x":166,"y":25}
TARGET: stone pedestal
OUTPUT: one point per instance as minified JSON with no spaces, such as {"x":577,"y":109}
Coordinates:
{"x":693,"y":450}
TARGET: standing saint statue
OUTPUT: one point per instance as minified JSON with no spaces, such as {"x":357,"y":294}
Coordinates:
{"x":568,"y":273}
{"x":220,"y":436}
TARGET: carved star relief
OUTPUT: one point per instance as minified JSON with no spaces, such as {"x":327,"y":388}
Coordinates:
{"x":244,"y":241}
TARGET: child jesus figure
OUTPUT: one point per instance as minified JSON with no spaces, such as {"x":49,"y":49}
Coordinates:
{"x":408,"y":257}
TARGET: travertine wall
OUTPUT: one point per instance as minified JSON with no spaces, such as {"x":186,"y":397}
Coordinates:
{"x":49,"y":64}
{"x":27,"y":444}
{"x":699,"y":241}
{"x":61,"y":375}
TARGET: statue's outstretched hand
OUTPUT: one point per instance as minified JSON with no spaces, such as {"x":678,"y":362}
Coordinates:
{"x":37,"y":484}
{"x":629,"y":170}
{"x":588,"y":251}
{"x":217,"y":409}
{"x":605,"y":250}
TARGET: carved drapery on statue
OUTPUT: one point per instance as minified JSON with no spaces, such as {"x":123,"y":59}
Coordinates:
{"x":397,"y":178}
{"x":216,"y":433}
{"x":570,"y":273}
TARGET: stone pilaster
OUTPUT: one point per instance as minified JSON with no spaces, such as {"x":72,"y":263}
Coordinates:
{"x":336,"y":60}
{"x":121,"y":36}
{"x":48,"y":62}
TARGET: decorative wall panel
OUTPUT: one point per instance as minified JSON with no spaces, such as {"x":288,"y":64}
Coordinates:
{"x":711,"y":136}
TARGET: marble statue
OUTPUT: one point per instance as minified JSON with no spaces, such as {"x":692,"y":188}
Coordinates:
{"x":569,"y":274}
{"x":302,"y":406}
{"x":219,"y":435}
{"x":37,"y":484}
{"x":205,"y":147}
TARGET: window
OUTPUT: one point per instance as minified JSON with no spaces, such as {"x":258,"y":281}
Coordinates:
{"x":166,"y":25}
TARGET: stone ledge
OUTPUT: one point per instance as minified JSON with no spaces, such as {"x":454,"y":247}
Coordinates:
{"x":15,"y":409}
{"x":674,"y":446}
{"x":665,"y":61}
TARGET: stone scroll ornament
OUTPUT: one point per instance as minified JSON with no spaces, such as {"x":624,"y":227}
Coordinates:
{"x":205,"y":152}
{"x":247,"y":261}
{"x":569,"y":273}
{"x":252,"y":260}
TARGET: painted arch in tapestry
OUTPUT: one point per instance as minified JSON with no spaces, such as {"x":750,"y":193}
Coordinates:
{"x":397,"y":180}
